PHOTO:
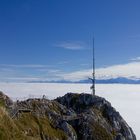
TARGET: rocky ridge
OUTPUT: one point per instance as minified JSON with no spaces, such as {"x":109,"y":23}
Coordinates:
{"x":71,"y":117}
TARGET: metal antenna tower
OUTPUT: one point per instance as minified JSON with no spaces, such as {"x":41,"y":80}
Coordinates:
{"x":93,"y":70}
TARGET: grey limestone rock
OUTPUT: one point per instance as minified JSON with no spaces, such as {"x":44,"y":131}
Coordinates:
{"x":77,"y":116}
{"x":100,"y":120}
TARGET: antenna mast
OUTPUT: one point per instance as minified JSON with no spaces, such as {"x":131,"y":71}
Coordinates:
{"x":93,"y":70}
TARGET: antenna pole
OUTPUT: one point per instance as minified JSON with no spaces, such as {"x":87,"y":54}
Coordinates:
{"x":93,"y":68}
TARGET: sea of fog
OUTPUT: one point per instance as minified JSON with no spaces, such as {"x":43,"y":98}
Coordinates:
{"x":124,"y":97}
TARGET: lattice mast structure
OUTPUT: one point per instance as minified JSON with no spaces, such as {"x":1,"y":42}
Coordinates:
{"x":93,"y":69}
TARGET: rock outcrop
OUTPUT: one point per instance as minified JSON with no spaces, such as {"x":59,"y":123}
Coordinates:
{"x":5,"y":100}
{"x":99,"y":121}
{"x":71,"y":117}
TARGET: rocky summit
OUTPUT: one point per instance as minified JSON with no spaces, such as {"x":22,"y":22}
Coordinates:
{"x":71,"y":117}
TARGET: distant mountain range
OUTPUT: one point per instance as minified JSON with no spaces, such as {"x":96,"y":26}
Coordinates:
{"x":119,"y":80}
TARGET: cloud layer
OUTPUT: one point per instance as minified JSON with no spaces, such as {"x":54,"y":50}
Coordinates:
{"x":135,"y":59}
{"x":71,"y":45}
{"x":43,"y":73}
{"x":129,"y":70}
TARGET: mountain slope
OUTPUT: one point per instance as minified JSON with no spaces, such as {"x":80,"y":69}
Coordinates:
{"x":71,"y":117}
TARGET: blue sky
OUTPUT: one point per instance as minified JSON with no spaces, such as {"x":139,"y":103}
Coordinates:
{"x":50,"y":39}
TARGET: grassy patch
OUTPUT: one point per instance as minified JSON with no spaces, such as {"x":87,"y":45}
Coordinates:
{"x":39,"y":127}
{"x":8,"y":129}
{"x":2,"y":103}
{"x":27,"y":127}
{"x":100,"y":133}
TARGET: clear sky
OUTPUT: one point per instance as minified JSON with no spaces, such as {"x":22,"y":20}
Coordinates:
{"x":52,"y":39}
